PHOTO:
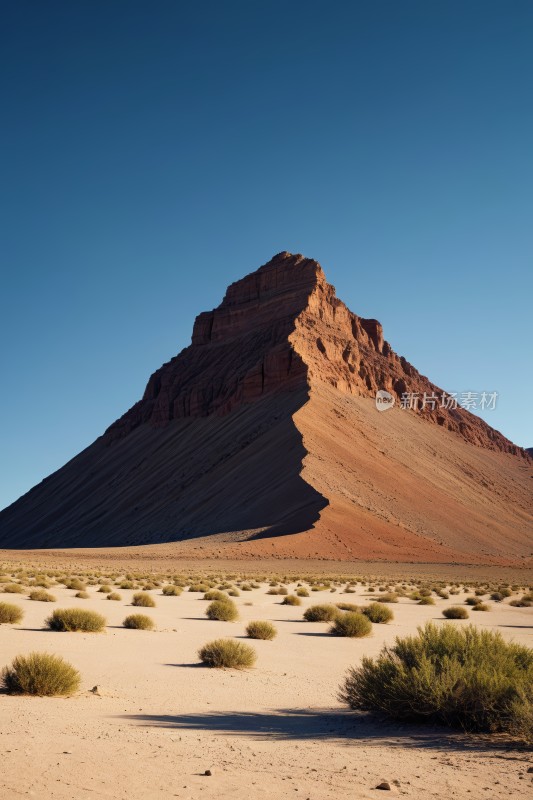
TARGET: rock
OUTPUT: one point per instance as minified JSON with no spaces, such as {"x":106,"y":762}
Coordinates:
{"x":216,"y":445}
{"x":385,"y":785}
{"x":208,"y":772}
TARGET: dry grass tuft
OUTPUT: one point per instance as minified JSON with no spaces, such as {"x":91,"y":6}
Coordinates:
{"x":228,"y":653}
{"x":40,"y":674}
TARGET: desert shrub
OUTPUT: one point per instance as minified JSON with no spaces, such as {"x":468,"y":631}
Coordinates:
{"x":426,"y":600}
{"x":481,"y":607}
{"x":377,"y":612}
{"x":14,"y":588}
{"x":291,"y":600}
{"x":471,"y":601}
{"x":261,"y":629}
{"x":302,"y":592}
{"x":480,"y":592}
{"x":42,"y":595}
{"x":348,"y":607}
{"x":143,"y":599}
{"x":351,"y":624}
{"x":215,"y":594}
{"x":126,"y":585}
{"x":224,"y":610}
{"x":388,"y":597}
{"x":82,"y":595}
{"x":497,"y":597}
{"x":323,"y":613}
{"x":461,"y":677}
{"x":114,"y":596}
{"x":443,"y":594}
{"x":228,"y":653}
{"x":76,"y":619}
{"x":524,"y":602}
{"x":105,"y":588}
{"x":40,"y":674}
{"x":424,"y":592}
{"x":76,"y":585}
{"x":283,"y":590}
{"x":198,"y":587}
{"x":10,"y":613}
{"x":139,"y":622}
{"x":455,"y":612}
{"x":504,"y":591}
{"x":246,"y":587}
{"x":171,"y":591}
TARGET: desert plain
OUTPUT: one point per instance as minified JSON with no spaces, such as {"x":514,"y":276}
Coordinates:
{"x":151,"y":721}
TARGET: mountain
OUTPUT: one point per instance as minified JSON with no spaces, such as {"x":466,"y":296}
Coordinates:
{"x":263,"y":437}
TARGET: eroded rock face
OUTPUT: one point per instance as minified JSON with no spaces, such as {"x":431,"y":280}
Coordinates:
{"x":282,"y":328}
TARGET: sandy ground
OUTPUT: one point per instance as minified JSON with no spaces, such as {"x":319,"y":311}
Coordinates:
{"x":159,"y":719}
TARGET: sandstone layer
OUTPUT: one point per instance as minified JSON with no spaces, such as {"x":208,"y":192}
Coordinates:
{"x":263,"y":437}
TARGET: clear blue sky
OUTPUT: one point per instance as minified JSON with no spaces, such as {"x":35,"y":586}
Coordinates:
{"x":152,"y":152}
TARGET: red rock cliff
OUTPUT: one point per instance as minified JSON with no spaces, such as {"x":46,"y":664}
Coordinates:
{"x":282,"y":328}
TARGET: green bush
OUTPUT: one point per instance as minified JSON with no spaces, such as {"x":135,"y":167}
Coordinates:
{"x":376,"y":612}
{"x":261,"y":630}
{"x":139,"y":622}
{"x":10,"y":613}
{"x":76,"y":619}
{"x":228,"y":653}
{"x":224,"y":610}
{"x":322,"y":613}
{"x":351,"y":624}
{"x":455,"y":612}
{"x":143,"y":599}
{"x":42,"y":596}
{"x":461,"y":677}
{"x":40,"y":674}
{"x":291,"y":600}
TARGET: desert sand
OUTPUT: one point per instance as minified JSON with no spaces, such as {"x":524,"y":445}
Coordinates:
{"x":158,"y":719}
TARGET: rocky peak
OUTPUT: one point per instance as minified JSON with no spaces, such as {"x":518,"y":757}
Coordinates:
{"x":283,"y":329}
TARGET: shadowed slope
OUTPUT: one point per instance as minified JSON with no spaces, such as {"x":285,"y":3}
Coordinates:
{"x":233,"y":476}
